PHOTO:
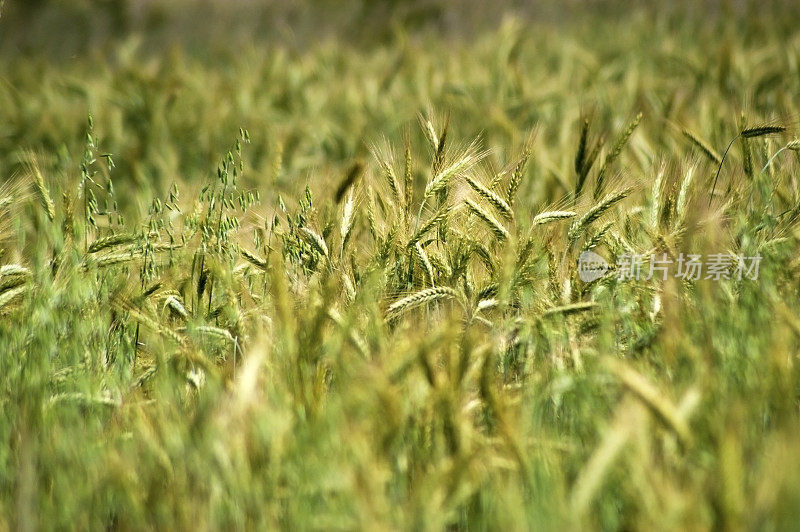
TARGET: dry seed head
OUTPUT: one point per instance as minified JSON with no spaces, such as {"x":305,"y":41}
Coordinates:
{"x":760,"y":131}
{"x":703,"y":146}
{"x":422,"y":297}
{"x":428,"y":225}
{"x":570,"y":309}
{"x":580,"y":225}
{"x":112,"y":259}
{"x":469,"y":158}
{"x":217,"y":332}
{"x":8,"y":270}
{"x":38,"y":179}
{"x":176,"y":306}
{"x":683,"y":193}
{"x":430,"y":131}
{"x":316,"y":241}
{"x":9,"y":295}
{"x":387,"y":166}
{"x":111,"y":241}
{"x":253,"y":259}
{"x":347,"y":217}
{"x":491,"y":197}
{"x":408,"y":177}
{"x":496,"y":227}
{"x":794,"y":145}
{"x":656,"y":196}
{"x":425,"y":261}
{"x":486,"y":304}
{"x":614,"y":154}
{"x":516,"y":176}
{"x":595,"y":240}
{"x":150,"y":323}
{"x":551,"y":216}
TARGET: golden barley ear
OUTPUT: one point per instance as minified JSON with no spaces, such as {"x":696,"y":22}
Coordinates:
{"x":704,"y":147}
{"x":615,"y":152}
{"x":579,"y":226}
{"x":497,"y":228}
{"x":32,"y":167}
{"x":427,"y":295}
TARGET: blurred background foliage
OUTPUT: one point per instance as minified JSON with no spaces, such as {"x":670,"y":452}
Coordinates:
{"x":170,"y":83}
{"x":119,"y":412}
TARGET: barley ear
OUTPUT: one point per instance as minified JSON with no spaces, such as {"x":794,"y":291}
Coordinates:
{"x":614,"y":154}
{"x":32,"y":166}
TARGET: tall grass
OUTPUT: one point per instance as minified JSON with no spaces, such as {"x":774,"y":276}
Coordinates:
{"x":337,"y":318}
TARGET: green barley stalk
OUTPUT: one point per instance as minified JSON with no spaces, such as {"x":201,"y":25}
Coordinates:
{"x":614,"y":154}
{"x":516,"y":176}
{"x":118,"y":239}
{"x":41,"y":188}
{"x":580,"y":225}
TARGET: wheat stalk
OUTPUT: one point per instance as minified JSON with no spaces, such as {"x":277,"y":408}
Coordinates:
{"x":494,"y":225}
{"x":615,"y":153}
{"x":175,"y":305}
{"x":572,"y":308}
{"x":9,"y":295}
{"x":254,"y":259}
{"x":316,"y":241}
{"x":111,"y":241}
{"x":703,"y":146}
{"x":492,"y":198}
{"x":429,"y":224}
{"x":552,"y":216}
{"x":594,"y":213}
{"x":516,"y":176}
{"x":41,"y":187}
{"x":425,"y":261}
{"x":427,"y":295}
{"x":468,"y":159}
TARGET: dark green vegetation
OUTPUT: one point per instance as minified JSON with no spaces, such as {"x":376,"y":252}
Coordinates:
{"x":329,"y":286}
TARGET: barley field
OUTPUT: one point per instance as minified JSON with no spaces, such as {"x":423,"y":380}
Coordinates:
{"x":399,"y":265}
